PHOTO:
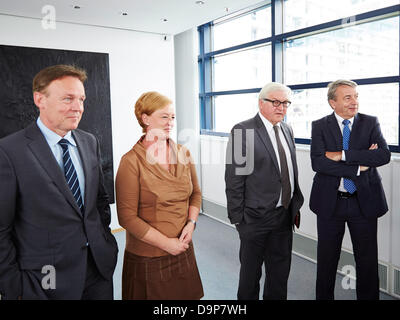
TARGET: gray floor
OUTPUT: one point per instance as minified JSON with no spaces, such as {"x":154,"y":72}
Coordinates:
{"x":217,"y":247}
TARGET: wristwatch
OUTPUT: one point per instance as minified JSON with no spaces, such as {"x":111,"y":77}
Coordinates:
{"x":192,"y":221}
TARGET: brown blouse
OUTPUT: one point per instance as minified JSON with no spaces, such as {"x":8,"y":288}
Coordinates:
{"x":149,"y":195}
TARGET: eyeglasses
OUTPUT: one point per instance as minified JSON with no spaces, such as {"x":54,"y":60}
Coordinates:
{"x":277,"y":103}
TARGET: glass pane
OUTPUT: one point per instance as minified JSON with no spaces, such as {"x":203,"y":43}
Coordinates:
{"x":304,"y":13}
{"x":253,"y":26}
{"x":380,"y":100}
{"x":307,"y":105}
{"x":362,"y":51}
{"x":242,"y":70}
{"x":232,"y":109}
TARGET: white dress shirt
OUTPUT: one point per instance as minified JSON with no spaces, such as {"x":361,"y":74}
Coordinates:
{"x":52,"y":139}
{"x":270,"y":129}
{"x":341,"y":126}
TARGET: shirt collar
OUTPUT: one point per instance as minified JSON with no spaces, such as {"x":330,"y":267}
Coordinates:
{"x":340,"y":119}
{"x":268,"y":125}
{"x":52,"y":137}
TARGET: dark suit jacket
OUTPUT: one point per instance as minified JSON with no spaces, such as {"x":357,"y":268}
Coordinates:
{"x":40,"y":222}
{"x":327,"y":136}
{"x":256,"y":190}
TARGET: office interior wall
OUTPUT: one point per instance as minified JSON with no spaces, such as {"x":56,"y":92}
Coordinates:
{"x":138,"y":62}
{"x":187,"y":88}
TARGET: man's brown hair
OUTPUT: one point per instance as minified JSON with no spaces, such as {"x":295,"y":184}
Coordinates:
{"x":45,"y":76}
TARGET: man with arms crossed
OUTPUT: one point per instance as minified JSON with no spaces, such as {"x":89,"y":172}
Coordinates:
{"x":346,"y":149}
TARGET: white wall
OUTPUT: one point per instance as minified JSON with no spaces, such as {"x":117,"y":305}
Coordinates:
{"x":187,"y":88}
{"x":139,"y":62}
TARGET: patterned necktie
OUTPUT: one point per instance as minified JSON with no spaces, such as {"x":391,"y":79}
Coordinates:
{"x":70,"y":174}
{"x":286,"y":189}
{"x":348,"y":184}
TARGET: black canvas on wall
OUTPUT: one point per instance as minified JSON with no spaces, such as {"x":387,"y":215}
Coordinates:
{"x":19,"y":65}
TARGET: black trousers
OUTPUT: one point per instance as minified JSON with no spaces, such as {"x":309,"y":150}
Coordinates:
{"x":260,"y":244}
{"x":363,"y":234}
{"x":96,"y":286}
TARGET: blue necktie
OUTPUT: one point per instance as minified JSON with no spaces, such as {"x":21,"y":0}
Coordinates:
{"x":348,"y":184}
{"x":70,"y":174}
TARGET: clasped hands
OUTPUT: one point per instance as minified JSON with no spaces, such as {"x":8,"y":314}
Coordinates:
{"x":181,"y":244}
{"x":337,"y":155}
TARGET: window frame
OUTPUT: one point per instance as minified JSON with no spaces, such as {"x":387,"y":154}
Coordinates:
{"x":276,"y":41}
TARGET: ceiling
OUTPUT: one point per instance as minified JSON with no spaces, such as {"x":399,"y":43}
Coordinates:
{"x":156,"y":16}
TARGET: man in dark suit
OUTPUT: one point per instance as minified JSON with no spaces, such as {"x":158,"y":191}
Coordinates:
{"x":263,"y":194}
{"x":346,"y":148}
{"x":55,"y":240}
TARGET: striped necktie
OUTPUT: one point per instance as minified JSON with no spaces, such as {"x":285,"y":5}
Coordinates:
{"x":347,"y":183}
{"x":70,"y":174}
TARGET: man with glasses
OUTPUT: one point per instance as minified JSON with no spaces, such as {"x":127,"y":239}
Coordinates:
{"x":346,"y":149}
{"x":263,"y":194}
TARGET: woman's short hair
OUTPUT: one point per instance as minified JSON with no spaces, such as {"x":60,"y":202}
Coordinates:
{"x":149,"y":102}
{"x":45,"y":76}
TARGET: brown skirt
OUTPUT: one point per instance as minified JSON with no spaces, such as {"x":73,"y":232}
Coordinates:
{"x":161,"y":278}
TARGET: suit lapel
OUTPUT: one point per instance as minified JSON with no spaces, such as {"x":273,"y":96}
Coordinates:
{"x":290,"y":143}
{"x":42,"y":152}
{"x":355,"y":128}
{"x":83,"y":148}
{"x":264,"y":136}
{"x":288,"y":137}
{"x":335,"y":130}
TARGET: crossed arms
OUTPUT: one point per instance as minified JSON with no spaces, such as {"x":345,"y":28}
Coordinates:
{"x":330,"y":162}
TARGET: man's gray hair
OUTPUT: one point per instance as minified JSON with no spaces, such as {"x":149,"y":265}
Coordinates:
{"x":335,"y":84}
{"x":272,"y":87}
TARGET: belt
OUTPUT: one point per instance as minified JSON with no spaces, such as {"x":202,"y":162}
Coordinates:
{"x":346,"y":195}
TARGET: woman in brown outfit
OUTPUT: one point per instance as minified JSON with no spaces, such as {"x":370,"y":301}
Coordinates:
{"x":158,"y":201}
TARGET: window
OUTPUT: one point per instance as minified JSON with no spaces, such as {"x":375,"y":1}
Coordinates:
{"x":237,"y":106}
{"x":361,"y":51}
{"x":305,"y":44}
{"x":380,"y":100}
{"x":304,"y":13}
{"x":247,"y":27}
{"x":243,"y":69}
